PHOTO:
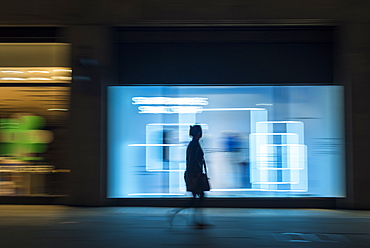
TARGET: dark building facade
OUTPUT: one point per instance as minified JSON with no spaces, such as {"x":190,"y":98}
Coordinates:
{"x":175,"y":44}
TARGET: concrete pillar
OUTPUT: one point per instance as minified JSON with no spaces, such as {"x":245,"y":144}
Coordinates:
{"x":90,"y":61}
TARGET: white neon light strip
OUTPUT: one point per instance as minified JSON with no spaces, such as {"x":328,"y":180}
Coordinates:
{"x":270,"y":168}
{"x":264,"y":104}
{"x":276,"y":183}
{"x":169,"y":101}
{"x":254,"y":190}
{"x":274,"y":134}
{"x":221,"y":190}
{"x":156,"y":145}
{"x":284,"y":145}
{"x":187,"y":109}
{"x":279,"y":122}
{"x":169,"y":109}
{"x":165,"y":170}
{"x":174,"y":124}
{"x":232,"y":109}
{"x":283,"y":190}
{"x":155,"y":194}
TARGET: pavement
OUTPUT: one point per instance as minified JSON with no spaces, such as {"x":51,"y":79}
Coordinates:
{"x":34,"y":226}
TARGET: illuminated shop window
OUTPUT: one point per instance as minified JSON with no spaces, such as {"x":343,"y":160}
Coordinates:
{"x":264,"y":141}
{"x":36,"y":74}
{"x":34,"y":105}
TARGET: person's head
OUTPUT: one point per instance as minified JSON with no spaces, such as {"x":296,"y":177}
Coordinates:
{"x":195,"y":131}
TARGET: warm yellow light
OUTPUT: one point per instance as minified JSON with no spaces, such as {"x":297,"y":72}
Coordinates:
{"x":61,"y":78}
{"x":11,"y":78}
{"x":31,"y":74}
{"x":38,"y":79}
{"x":11,"y":71}
{"x":38,"y":71}
{"x":63,"y":70}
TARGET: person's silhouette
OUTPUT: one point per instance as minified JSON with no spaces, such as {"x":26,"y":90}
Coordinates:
{"x":194,"y":169}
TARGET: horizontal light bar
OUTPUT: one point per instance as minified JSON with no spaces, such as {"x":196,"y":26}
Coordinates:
{"x":169,"y":110}
{"x":274,"y":134}
{"x":256,"y":190}
{"x":264,"y":104}
{"x":11,"y":71}
{"x":12,"y":78}
{"x":284,"y":145}
{"x":154,"y":194}
{"x":38,"y":79}
{"x":35,"y":71}
{"x":169,"y":101}
{"x":275,"y":183}
{"x":56,"y":109}
{"x":232,"y":109}
{"x":27,"y":168}
{"x":156,"y":145}
{"x":221,"y":190}
{"x":187,"y":109}
{"x":267,"y":122}
{"x":269,"y":168}
{"x":174,"y":124}
{"x":32,"y":74}
{"x":283,"y":190}
{"x":63,"y":70}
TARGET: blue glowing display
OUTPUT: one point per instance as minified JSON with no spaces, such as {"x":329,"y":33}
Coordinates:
{"x":259,"y":141}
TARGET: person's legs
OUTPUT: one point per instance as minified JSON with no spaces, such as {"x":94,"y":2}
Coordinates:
{"x":192,"y":202}
{"x":198,"y":215}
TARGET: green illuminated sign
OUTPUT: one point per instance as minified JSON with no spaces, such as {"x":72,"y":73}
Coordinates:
{"x":22,"y":138}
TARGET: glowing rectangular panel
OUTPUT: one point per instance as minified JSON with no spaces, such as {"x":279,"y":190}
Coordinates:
{"x":259,"y":141}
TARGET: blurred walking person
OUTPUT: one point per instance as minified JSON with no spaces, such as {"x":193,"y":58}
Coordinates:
{"x":195,"y":178}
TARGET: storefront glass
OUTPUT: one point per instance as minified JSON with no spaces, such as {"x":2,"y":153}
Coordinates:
{"x":34,"y":103}
{"x":259,"y":141}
